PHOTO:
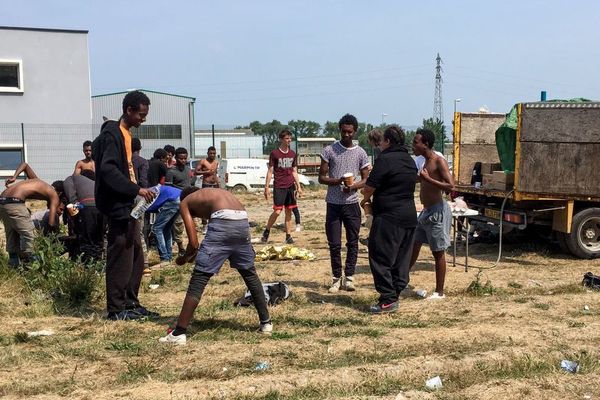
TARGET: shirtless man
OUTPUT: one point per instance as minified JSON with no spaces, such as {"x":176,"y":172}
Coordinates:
{"x":19,"y":228}
{"x":436,"y":218}
{"x":87,"y":162}
{"x":207,"y":168}
{"x":228,"y":238}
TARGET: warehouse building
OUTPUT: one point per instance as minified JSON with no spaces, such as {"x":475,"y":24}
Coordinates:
{"x":170,"y":120}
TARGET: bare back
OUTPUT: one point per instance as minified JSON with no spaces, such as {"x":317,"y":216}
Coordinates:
{"x":35,"y":189}
{"x":202,"y":203}
{"x":429,"y":193}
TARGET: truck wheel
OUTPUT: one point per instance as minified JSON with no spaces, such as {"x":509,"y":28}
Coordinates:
{"x":239,"y":189}
{"x":584,"y":239}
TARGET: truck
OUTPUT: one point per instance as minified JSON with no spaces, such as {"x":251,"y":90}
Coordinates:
{"x":242,"y":175}
{"x":548,"y":168}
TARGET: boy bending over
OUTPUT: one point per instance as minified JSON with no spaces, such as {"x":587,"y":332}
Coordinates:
{"x":227,"y":238}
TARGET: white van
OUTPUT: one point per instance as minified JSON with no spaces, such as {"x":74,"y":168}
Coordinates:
{"x":247,"y":174}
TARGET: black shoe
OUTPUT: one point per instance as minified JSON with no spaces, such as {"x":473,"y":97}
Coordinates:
{"x":125,"y":315}
{"x":145,"y":312}
{"x":289,"y":240}
{"x":265,"y":237}
{"x":364,"y":241}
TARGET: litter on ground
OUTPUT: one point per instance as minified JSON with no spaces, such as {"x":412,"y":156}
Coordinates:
{"x":282,"y":253}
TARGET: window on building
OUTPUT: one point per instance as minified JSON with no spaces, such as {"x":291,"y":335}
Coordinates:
{"x":11,"y":76}
{"x":157,"y":132}
{"x":10,"y":159}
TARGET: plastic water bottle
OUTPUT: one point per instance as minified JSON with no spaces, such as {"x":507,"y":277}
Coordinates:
{"x":73,"y":209}
{"x":142,"y":205}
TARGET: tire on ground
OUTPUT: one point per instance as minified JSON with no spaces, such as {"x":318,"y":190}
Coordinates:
{"x":584,"y":239}
{"x":239,"y":189}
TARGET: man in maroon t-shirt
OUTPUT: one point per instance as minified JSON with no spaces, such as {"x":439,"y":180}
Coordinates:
{"x":286,"y":186}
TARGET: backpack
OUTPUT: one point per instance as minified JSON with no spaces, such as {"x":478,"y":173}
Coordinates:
{"x":275,"y":293}
{"x":592,"y":281}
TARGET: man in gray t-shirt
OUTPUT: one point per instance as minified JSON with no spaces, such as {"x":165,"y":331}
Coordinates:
{"x":343,"y":208}
{"x":180,"y":176}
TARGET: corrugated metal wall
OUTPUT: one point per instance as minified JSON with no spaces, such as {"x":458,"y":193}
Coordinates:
{"x":165,"y":109}
{"x":237,"y":146}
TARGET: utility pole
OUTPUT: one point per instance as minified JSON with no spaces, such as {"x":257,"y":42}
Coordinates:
{"x":438,"y":110}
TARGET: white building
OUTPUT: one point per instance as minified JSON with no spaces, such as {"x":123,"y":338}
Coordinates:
{"x":232,"y":143}
{"x":45,"y":111}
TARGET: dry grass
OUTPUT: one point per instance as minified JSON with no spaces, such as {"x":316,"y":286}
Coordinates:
{"x":502,"y":343}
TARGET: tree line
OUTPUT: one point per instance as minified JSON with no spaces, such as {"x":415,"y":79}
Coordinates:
{"x":269,"y":131}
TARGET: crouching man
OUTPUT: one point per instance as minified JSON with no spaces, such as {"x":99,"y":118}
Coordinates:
{"x":18,"y":226}
{"x":227,"y":238}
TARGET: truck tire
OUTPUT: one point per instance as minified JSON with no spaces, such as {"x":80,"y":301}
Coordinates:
{"x":584,"y":239}
{"x":239,"y":189}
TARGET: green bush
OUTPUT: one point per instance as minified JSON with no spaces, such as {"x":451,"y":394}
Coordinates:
{"x":72,"y":285}
{"x":477,"y":288}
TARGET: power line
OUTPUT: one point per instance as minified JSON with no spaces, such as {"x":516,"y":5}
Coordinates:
{"x":353,"y":91}
{"x":297,"y":78}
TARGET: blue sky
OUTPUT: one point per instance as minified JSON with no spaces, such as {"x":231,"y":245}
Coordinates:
{"x":262,"y":60}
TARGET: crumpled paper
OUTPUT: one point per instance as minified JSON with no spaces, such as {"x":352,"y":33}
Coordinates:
{"x":282,"y":253}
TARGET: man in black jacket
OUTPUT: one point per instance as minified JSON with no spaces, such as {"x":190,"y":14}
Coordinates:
{"x":392,"y":181}
{"x":116,"y":189}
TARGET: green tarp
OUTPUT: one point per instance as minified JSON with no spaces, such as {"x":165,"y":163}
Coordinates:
{"x":506,"y":136}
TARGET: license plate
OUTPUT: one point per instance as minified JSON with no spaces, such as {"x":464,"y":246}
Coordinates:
{"x":488,"y":212}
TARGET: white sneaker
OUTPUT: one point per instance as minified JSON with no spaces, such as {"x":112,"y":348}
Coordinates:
{"x":349,"y":284}
{"x":170,"y":338}
{"x":266,"y":328}
{"x":298,"y":228}
{"x":335,"y":285}
{"x":436,"y":296}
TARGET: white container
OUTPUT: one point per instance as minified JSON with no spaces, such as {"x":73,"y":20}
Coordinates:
{"x":434,"y":383}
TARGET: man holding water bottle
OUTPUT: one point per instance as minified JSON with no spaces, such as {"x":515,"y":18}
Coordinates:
{"x":116,"y":190}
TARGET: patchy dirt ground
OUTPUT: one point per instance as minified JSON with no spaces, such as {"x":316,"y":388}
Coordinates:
{"x":506,"y":343}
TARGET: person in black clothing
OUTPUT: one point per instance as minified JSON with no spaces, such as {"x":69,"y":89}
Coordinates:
{"x":157,"y":168}
{"x":392,"y":185}
{"x":116,"y":189}
{"x":140,"y":166}
{"x":88,"y":222}
{"x":157,"y":171}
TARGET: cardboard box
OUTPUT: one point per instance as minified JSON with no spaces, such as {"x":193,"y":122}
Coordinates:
{"x":501,"y":177}
{"x":499,"y":186}
{"x":486,"y":180}
{"x":489,"y":168}
{"x":500,"y":181}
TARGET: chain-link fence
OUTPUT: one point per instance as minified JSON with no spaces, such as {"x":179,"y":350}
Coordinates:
{"x":52,"y":150}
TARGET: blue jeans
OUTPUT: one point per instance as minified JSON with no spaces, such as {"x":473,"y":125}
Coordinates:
{"x":162,"y":228}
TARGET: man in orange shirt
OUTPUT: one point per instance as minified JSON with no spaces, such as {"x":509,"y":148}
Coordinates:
{"x":116,"y":190}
